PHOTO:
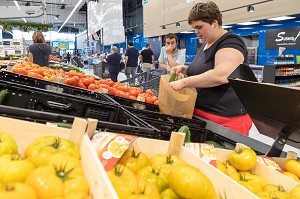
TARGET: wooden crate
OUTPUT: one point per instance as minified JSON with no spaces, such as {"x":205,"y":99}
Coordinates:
{"x":25,"y":132}
{"x":272,"y":176}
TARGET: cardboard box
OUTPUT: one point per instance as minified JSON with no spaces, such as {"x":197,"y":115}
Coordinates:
{"x":25,"y":132}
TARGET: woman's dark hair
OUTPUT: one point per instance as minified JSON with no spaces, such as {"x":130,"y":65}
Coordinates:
{"x":171,"y":36}
{"x":207,"y":12}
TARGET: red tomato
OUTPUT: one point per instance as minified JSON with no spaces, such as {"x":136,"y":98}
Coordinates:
{"x":21,"y":71}
{"x":35,"y":75}
{"x":110,"y":83}
{"x":93,"y":87}
{"x":134,"y":92}
{"x":87,"y":81}
{"x":148,"y":100}
{"x":150,"y":92}
{"x":81,"y":85}
{"x":124,"y":88}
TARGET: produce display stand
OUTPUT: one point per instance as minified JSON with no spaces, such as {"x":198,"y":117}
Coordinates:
{"x":24,"y":132}
{"x":167,"y":123}
{"x":275,"y":111}
{"x":45,"y":117}
{"x":62,"y":88}
{"x":39,"y":99}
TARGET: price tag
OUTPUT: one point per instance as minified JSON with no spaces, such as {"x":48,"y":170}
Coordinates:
{"x":140,"y":98}
{"x":205,"y":151}
{"x":103,"y":90}
{"x":110,"y":147}
{"x":269,"y":162}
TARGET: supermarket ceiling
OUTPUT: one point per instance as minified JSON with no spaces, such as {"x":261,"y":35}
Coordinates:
{"x":55,"y":12}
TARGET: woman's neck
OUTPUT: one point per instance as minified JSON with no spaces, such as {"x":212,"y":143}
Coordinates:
{"x":217,"y":36}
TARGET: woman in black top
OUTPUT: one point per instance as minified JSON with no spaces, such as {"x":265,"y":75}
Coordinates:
{"x":113,"y":61}
{"x":221,"y":54}
{"x":39,"y":51}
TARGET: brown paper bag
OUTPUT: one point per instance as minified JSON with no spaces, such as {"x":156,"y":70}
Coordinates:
{"x":177,"y":103}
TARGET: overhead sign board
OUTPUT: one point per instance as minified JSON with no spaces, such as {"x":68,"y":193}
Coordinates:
{"x":288,"y":38}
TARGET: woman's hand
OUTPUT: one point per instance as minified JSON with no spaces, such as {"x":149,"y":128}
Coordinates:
{"x":178,"y":84}
{"x":179,"y":69}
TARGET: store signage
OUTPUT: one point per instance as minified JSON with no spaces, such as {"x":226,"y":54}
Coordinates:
{"x":288,"y":38}
{"x":63,"y":45}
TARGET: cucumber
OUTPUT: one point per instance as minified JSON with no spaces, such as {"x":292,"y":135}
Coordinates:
{"x":64,"y":125}
{"x":3,"y":94}
{"x":172,"y":77}
{"x":185,"y":129}
{"x":216,"y":145}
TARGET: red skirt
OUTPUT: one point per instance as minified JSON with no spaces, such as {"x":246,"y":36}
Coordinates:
{"x":241,"y":124}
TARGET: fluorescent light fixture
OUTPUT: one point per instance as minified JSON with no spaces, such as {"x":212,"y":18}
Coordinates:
{"x":24,"y":20}
{"x":188,"y":32}
{"x":248,"y":23}
{"x":281,"y":18}
{"x":17,"y":5}
{"x":70,"y":15}
{"x":226,"y":27}
{"x":271,"y":25}
{"x":245,"y":28}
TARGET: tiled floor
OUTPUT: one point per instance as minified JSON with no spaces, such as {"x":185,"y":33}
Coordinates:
{"x":254,"y":133}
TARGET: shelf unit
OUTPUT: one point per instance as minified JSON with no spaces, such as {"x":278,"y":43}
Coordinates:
{"x":12,"y":47}
{"x":282,"y":75}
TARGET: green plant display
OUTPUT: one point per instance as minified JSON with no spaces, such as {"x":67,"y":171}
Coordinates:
{"x":25,"y":27}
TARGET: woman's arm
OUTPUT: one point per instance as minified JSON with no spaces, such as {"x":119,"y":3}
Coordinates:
{"x":30,"y":57}
{"x":226,"y":61}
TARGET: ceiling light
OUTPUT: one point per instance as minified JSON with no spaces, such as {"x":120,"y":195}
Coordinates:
{"x":188,"y":32}
{"x":164,"y":27}
{"x":245,"y":28}
{"x":226,"y":27}
{"x":56,"y":17}
{"x":177,"y":24}
{"x":248,"y":23}
{"x":70,"y":15}
{"x":281,"y":18}
{"x":27,"y":3}
{"x":270,"y":25}
{"x":17,"y":5}
{"x":250,"y":8}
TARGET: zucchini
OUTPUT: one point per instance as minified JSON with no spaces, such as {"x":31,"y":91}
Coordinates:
{"x":172,"y":77}
{"x":3,"y":94}
{"x":185,"y":129}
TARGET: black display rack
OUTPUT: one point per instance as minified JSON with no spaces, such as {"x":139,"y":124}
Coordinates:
{"x":275,"y":111}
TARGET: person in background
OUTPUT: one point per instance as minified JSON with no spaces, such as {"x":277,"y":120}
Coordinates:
{"x":131,"y":60}
{"x":147,"y":57}
{"x":220,"y":55}
{"x":39,"y":52}
{"x":170,"y":55}
{"x":113,"y":61}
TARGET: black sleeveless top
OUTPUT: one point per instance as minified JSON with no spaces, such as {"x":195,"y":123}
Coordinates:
{"x":220,"y":100}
